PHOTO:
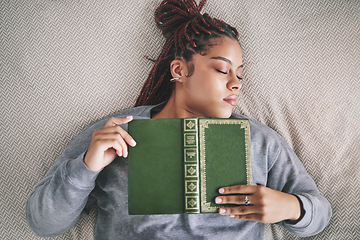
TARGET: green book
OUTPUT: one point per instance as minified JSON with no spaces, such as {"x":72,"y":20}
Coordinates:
{"x":178,"y":165}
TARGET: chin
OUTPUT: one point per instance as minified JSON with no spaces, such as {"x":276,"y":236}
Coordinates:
{"x":225,"y":115}
{"x":216,"y":111}
{"x":221,"y":114}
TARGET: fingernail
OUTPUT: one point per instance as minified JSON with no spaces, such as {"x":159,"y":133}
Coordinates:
{"x":221,"y":190}
{"x":132,"y":143}
{"x":232,"y":216}
{"x":222,"y":211}
{"x":129,"y":117}
{"x":218,"y":200}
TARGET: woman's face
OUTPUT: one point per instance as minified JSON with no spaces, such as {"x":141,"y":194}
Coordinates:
{"x":213,"y":88}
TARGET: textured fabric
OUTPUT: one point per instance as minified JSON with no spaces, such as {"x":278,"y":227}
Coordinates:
{"x":65,"y":64}
{"x":69,"y":187}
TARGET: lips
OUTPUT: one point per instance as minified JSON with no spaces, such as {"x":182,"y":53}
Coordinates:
{"x":231,"y":99}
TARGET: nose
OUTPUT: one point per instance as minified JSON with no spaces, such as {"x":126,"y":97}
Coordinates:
{"x":234,"y":83}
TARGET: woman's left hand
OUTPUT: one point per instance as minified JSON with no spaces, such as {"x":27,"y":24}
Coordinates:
{"x":266,"y":205}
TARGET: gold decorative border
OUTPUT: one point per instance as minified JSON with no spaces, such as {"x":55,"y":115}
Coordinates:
{"x":190,"y":154}
{"x":191,"y":163}
{"x":194,"y":173}
{"x":192,"y":203}
{"x":190,"y":125}
{"x":196,"y":188}
{"x":190,"y":140}
{"x":205,"y":206}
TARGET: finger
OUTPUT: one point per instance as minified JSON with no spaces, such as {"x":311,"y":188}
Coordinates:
{"x":105,"y":144}
{"x":127,"y":138}
{"x":114,"y":121}
{"x":235,"y":199}
{"x":241,"y":210}
{"x":117,"y":147}
{"x":121,"y":146}
{"x":239,"y":189}
{"x":120,"y":131}
{"x":247,"y":217}
{"x":110,"y":140}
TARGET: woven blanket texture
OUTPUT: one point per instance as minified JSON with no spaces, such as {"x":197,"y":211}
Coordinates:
{"x":66,"y":64}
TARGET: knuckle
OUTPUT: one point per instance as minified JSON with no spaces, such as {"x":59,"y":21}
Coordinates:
{"x":96,"y":139}
{"x":120,"y":143}
{"x":118,"y":129}
{"x":120,"y":148}
{"x":119,"y":137}
{"x":127,"y":137}
{"x":238,"y":188}
{"x":124,"y":146}
{"x":241,"y":210}
{"x":261,"y":189}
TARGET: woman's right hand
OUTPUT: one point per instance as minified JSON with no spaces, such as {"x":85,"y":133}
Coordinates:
{"x":107,"y":143}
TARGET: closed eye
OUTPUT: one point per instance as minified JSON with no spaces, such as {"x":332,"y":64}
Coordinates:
{"x":240,"y":78}
{"x":221,"y":71}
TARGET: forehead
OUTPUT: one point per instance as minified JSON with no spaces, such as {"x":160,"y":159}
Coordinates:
{"x":225,"y":45}
{"x":225,"y":48}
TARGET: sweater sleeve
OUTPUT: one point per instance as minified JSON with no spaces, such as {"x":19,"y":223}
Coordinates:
{"x":287,"y":174}
{"x":64,"y":194}
{"x":60,"y":198}
{"x":58,"y":201}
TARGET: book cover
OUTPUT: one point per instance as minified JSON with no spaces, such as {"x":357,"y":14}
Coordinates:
{"x":178,"y":165}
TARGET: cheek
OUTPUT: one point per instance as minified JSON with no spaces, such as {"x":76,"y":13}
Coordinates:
{"x":205,"y":86}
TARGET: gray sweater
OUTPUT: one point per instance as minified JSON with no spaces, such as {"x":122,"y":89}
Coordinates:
{"x":69,"y":190}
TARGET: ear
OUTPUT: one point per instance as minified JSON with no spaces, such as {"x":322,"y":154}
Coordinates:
{"x":178,"y":69}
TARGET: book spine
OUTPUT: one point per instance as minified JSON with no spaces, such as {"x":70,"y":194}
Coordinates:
{"x":191,"y":165}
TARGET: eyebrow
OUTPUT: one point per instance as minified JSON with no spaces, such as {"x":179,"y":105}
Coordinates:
{"x":226,"y":60}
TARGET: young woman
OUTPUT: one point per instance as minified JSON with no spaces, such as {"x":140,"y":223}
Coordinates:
{"x":198,"y":74}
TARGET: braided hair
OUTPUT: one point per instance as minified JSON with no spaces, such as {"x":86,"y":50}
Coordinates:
{"x":187,"y":32}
